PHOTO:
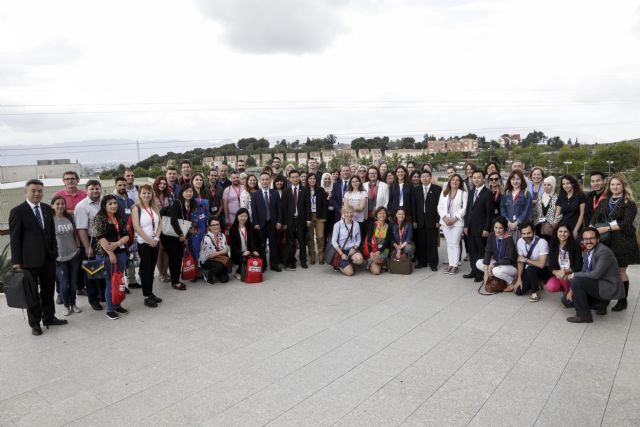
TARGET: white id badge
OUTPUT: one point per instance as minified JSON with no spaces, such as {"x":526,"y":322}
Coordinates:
{"x":127,"y":211}
{"x":201,"y":216}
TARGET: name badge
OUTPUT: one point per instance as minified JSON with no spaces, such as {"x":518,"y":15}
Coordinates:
{"x":127,"y":211}
{"x":214,"y":208}
{"x":201,"y":216}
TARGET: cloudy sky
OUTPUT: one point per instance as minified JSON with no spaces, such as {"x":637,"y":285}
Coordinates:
{"x":218,"y":69}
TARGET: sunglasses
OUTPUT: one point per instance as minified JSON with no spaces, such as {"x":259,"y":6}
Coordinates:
{"x":494,"y":179}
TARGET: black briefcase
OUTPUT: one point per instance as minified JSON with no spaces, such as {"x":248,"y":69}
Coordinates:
{"x":21,"y":289}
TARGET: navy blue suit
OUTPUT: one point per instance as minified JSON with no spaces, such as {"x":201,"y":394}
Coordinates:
{"x":259,"y":211}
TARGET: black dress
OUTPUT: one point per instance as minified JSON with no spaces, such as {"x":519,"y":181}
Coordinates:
{"x":623,"y":243}
{"x":570,"y":208}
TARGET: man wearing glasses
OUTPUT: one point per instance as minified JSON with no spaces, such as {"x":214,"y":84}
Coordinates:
{"x":71,"y":193}
{"x":598,"y":282}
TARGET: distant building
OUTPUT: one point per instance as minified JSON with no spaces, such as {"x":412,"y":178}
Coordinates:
{"x":218,"y":161}
{"x":509,"y":140}
{"x":327,"y":155}
{"x":302,"y":158}
{"x":464,"y":145}
{"x":208,"y":162}
{"x":43,"y":169}
{"x":405,"y":153}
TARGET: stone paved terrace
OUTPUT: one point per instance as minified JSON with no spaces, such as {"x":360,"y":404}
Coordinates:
{"x":315,"y":348}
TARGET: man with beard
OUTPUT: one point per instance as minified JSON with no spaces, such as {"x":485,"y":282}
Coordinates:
{"x":172,"y":181}
{"x":132,"y":189}
{"x":276,"y":164}
{"x":595,"y":196}
{"x":185,"y":168}
{"x":532,"y":260}
{"x":598,"y":282}
{"x":241,"y":167}
{"x":231,"y":199}
{"x":83,"y":215}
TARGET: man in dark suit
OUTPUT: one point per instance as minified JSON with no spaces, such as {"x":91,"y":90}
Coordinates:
{"x":267,"y":218}
{"x":598,"y":282}
{"x":340,"y":187}
{"x":478,"y":222}
{"x":296,"y":218}
{"x":424,"y":214}
{"x":34,"y":249}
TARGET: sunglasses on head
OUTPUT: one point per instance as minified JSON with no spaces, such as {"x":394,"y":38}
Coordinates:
{"x":494,"y":179}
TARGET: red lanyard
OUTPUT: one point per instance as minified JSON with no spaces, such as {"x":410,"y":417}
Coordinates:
{"x":153,"y":219}
{"x":401,"y":232}
{"x":514,"y":196}
{"x":237,"y":193}
{"x":596,"y":203}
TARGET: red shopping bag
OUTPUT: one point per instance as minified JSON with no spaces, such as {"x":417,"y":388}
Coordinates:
{"x":252,"y":270}
{"x":189,"y":270}
{"x":118,"y":285}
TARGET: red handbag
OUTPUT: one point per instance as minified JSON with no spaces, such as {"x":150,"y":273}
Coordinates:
{"x":189,"y":270}
{"x":253,"y":270}
{"x":118,"y":285}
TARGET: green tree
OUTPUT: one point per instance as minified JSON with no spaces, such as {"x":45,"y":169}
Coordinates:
{"x":533,"y":138}
{"x":140,"y":172}
{"x":251,"y":162}
{"x":341,"y":158}
{"x":407,"y":142}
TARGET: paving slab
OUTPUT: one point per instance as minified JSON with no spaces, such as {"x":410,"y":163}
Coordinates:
{"x":313,"y":347}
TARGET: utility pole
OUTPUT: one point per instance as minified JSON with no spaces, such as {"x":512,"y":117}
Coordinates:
{"x":138,"y":147}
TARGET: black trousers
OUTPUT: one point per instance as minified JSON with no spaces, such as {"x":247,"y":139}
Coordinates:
{"x":426,"y":239}
{"x":475,"y":247}
{"x":269,"y":233}
{"x":148,"y":258}
{"x":531,"y":277}
{"x":46,"y":279}
{"x":216,"y":270}
{"x":175,"y":250}
{"x":586,"y":296}
{"x":296,"y":235}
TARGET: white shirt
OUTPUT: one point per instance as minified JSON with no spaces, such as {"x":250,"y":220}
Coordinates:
{"x":84,"y":213}
{"x":147,"y":224}
{"x":542,"y":248}
{"x":33,"y":209}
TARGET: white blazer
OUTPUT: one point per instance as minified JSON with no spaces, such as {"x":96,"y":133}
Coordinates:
{"x":382,"y":197}
{"x":459,"y":207}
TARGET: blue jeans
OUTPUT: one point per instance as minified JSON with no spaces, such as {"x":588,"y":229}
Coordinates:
{"x":122,"y":266}
{"x":67,"y":274}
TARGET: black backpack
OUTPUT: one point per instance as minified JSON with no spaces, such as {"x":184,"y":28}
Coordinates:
{"x":21,"y":289}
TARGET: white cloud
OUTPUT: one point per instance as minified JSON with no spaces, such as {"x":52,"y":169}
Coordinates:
{"x":277,"y":26}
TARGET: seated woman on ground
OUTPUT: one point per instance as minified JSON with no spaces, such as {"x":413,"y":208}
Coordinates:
{"x":500,"y":255}
{"x":402,"y":235}
{"x":243,"y":242}
{"x":346,"y":241}
{"x":378,"y":241}
{"x":214,"y":254}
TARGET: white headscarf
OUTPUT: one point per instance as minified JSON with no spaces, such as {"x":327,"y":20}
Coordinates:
{"x":546,"y":197}
{"x":330,"y":187}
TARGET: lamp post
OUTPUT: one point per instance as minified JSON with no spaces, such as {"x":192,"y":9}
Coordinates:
{"x":550,"y":162}
{"x":609,"y":162}
{"x":567,"y":163}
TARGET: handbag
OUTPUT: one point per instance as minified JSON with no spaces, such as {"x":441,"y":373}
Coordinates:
{"x":222,"y":259}
{"x":167,"y":227}
{"x":604,"y":237}
{"x":493,"y":286}
{"x":134,"y":259}
{"x":21,"y":289}
{"x":400,"y":265}
{"x":94,"y":269}
{"x":546,"y":229}
{"x":189,"y":271}
{"x":118,"y":286}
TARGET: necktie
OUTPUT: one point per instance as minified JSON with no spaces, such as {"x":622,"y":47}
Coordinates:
{"x":266,"y":201}
{"x":476,"y":196}
{"x":588,"y":267}
{"x":344,"y":188}
{"x":426,"y":191}
{"x":39,"y":216}
{"x":295,"y":199}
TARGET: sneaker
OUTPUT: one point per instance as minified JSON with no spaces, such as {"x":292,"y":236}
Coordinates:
{"x":534,"y":297}
{"x":67,"y":311}
{"x":112,"y":315}
{"x":291,"y":267}
{"x":122,"y":310}
{"x":237,"y":276}
{"x":208,"y":281}
{"x":59,"y":300}
{"x":127,"y":291}
{"x":453,"y":270}
{"x":155,"y":298}
{"x":97,"y":307}
{"x":76,"y":309}
{"x":150,"y":303}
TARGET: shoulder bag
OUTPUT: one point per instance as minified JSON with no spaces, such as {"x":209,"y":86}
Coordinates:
{"x":167,"y":227}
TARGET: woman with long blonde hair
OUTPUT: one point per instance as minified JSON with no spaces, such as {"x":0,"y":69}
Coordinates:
{"x":145,"y":218}
{"x":614,"y":217}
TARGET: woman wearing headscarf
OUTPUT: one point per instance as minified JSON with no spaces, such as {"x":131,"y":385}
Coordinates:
{"x":546,"y":208}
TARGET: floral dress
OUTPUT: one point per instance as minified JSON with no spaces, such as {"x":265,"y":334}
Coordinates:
{"x":199,"y":218}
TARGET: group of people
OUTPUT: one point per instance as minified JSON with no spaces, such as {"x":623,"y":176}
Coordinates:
{"x":523,"y":230}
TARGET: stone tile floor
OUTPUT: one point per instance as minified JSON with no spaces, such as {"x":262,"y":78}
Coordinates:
{"x":312,"y":347}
